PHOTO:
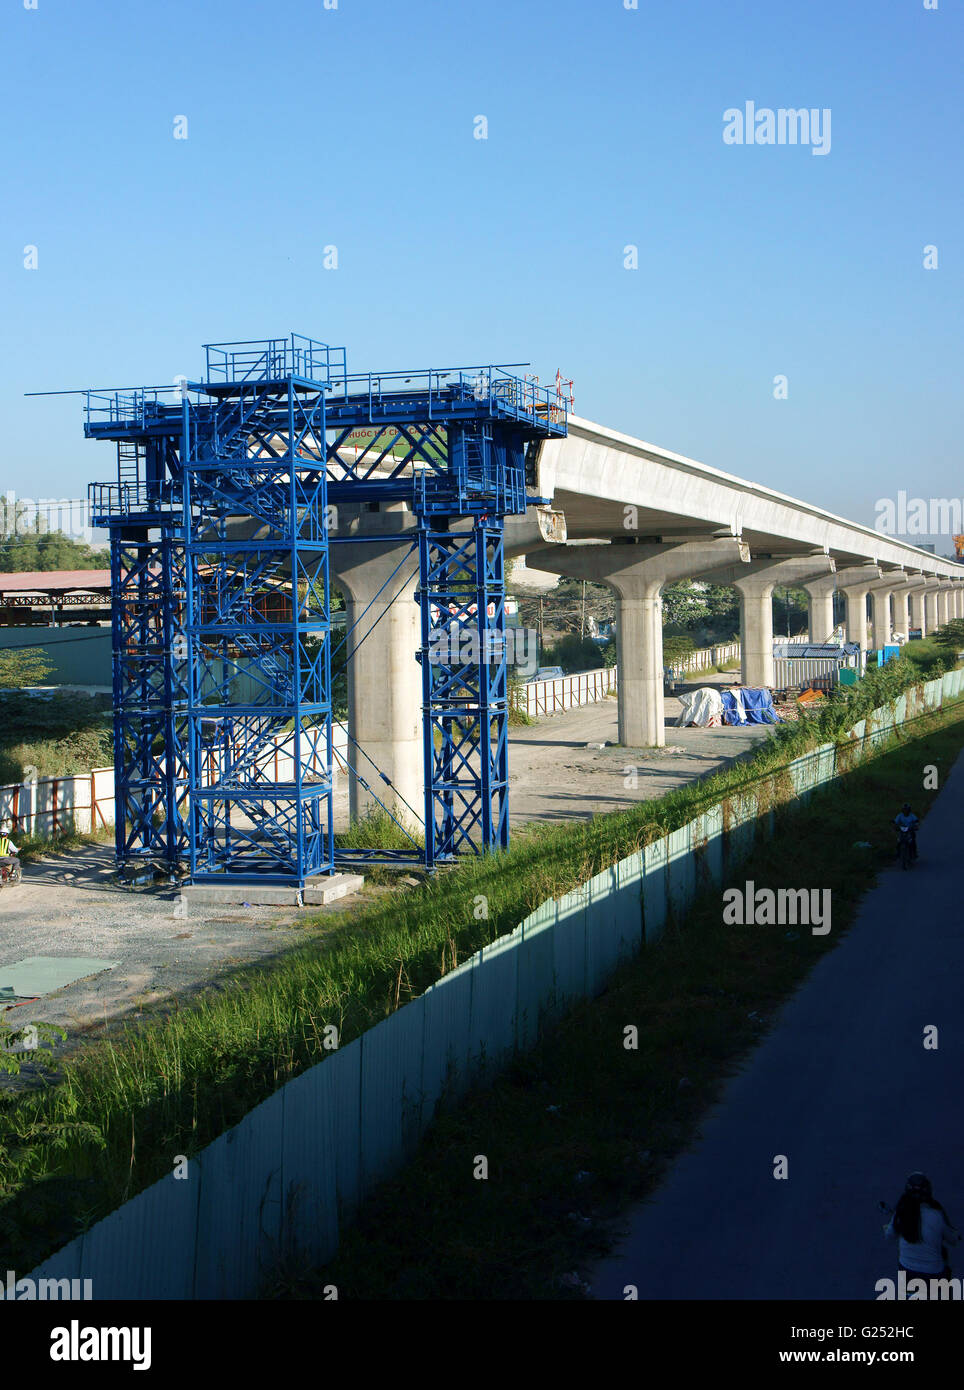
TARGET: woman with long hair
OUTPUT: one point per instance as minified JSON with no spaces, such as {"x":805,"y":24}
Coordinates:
{"x":922,"y":1228}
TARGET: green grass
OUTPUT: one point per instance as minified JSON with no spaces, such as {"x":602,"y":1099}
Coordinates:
{"x":175,"y":1083}
{"x":581,"y":1103}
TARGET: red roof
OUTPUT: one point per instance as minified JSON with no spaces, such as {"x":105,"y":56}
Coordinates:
{"x":47,"y":581}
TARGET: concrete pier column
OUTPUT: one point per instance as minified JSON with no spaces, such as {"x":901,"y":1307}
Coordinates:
{"x":931,"y":605}
{"x":639,"y":658}
{"x":918,"y":614}
{"x":820,"y":621}
{"x":756,"y":633}
{"x":942,"y":600}
{"x":755,"y":585}
{"x":637,"y":572}
{"x":880,"y":600}
{"x":855,"y":598}
{"x":902,"y":610}
{"x":384,"y":676}
{"x":853,"y":582}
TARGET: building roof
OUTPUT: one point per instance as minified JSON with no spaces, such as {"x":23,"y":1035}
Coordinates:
{"x":54,"y":581}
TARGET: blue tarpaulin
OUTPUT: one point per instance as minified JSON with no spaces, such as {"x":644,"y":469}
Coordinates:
{"x":759,"y":707}
{"x":733,"y":707}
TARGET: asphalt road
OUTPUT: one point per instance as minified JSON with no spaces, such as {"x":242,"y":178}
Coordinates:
{"x":845,"y":1089}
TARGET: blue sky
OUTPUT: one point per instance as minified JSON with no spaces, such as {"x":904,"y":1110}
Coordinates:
{"x":353,"y":127}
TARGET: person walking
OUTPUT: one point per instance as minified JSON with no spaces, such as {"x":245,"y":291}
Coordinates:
{"x":922,"y":1229}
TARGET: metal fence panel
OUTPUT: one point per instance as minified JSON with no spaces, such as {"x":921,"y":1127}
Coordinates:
{"x":602,"y":932}
{"x":655,"y":889}
{"x":309,"y":1167}
{"x":345,"y":1083}
{"x":448,"y":1007}
{"x":495,"y":993}
{"x":239,"y":1208}
{"x":569,"y":948}
{"x":391,"y":1091}
{"x":628,"y":906}
{"x":681,"y":870}
{"x":535,"y":976}
{"x":707,"y":840}
{"x":146,"y":1248}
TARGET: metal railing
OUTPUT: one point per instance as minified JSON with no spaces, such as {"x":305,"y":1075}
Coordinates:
{"x":274,"y":359}
{"x":124,"y":499}
{"x":441,"y":387}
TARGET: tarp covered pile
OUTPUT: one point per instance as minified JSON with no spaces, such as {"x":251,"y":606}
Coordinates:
{"x":749,"y":706}
{"x":703,"y":707}
{"x":708,"y":707}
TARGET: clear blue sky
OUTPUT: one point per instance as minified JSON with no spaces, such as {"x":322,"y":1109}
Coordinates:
{"x":354,"y":127}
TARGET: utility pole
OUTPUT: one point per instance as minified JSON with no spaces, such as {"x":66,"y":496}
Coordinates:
{"x":582,"y":622}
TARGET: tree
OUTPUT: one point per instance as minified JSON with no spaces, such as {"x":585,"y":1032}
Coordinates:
{"x":20,"y":667}
{"x":30,"y":551}
{"x":568,"y":607}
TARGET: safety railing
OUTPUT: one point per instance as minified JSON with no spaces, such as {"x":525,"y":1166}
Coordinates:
{"x":124,"y":499}
{"x":442,"y":387}
{"x":128,"y":407}
{"x":274,"y":359}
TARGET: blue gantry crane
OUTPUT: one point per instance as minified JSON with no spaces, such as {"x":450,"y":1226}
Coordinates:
{"x":220,"y":532}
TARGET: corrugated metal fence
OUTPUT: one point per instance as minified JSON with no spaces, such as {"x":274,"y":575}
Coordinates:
{"x":294,"y":1171}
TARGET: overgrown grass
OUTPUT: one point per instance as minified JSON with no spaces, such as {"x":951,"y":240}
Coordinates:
{"x":580,"y":1128}
{"x":176,"y":1083}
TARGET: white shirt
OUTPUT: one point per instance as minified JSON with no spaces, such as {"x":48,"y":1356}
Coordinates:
{"x":925,"y":1256}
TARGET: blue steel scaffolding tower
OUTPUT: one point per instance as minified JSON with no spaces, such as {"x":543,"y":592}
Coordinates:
{"x":219,"y":523}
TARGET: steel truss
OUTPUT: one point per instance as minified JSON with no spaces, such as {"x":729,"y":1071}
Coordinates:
{"x":223,"y":718}
{"x":150,"y":696}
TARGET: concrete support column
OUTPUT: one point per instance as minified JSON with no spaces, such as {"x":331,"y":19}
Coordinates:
{"x":637,"y":572}
{"x":853,"y":582}
{"x":902,"y":610}
{"x":756,"y":633}
{"x":931,"y":606}
{"x":384,"y":676}
{"x":942,"y":615}
{"x":755,"y":585}
{"x":639,"y":658}
{"x":880,"y":597}
{"x":820,"y":612}
{"x":918,"y":614}
{"x":880,"y":605}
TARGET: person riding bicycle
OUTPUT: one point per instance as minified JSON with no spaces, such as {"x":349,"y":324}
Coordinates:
{"x":7,"y":848}
{"x":906,"y":820}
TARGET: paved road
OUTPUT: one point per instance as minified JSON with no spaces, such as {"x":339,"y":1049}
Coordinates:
{"x":844,"y":1088}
